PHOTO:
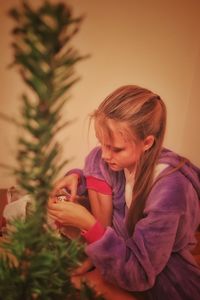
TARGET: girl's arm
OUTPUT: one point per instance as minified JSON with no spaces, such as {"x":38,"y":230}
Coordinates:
{"x":74,"y":182}
{"x":99,"y":187}
{"x":100,"y":197}
{"x":101,"y":207}
{"x":68,"y":182}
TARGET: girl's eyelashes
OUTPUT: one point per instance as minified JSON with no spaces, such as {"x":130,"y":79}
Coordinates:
{"x":116,"y":150}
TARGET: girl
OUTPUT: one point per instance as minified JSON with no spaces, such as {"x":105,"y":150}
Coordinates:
{"x":144,"y":200}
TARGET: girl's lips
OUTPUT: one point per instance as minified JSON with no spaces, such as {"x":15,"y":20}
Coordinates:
{"x":109,"y":163}
{"x":112,"y":165}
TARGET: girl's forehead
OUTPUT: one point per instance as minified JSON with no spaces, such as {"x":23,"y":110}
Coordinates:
{"x":110,"y":125}
{"x":108,"y":130}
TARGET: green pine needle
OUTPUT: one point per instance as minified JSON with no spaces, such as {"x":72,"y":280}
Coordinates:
{"x":37,"y":263}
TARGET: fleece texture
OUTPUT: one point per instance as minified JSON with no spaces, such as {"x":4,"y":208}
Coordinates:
{"x":157,"y":257}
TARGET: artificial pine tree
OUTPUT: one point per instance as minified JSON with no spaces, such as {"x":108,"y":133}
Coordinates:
{"x":39,"y":263}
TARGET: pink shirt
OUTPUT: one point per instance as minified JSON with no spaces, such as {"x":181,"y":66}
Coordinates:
{"x":97,"y":230}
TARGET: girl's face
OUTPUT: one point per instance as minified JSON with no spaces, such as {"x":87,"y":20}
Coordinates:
{"x":119,"y":151}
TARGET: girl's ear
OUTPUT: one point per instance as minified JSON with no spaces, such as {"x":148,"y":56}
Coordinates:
{"x":148,"y":142}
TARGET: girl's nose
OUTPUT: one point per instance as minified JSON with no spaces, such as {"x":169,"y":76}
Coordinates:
{"x":106,"y":153}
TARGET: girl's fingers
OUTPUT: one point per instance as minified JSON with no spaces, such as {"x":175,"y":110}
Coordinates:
{"x":65,"y":206}
{"x":85,"y":267}
{"x":57,"y":187}
{"x":53,"y":213}
{"x":52,"y":217}
{"x":51,"y":202}
{"x":73,"y":191}
{"x":70,"y":183}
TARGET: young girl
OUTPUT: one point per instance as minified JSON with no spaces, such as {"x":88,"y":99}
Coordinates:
{"x":144,"y":200}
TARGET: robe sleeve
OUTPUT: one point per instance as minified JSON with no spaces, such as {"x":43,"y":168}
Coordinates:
{"x":97,"y":173}
{"x":134,"y":263}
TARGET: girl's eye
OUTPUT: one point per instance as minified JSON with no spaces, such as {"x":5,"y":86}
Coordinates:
{"x":117,"y":150}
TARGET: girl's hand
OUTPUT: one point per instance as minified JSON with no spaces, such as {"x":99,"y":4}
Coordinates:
{"x":70,"y":182}
{"x":86,"y":266}
{"x":70,"y":213}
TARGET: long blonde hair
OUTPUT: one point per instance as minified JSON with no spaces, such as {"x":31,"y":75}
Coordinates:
{"x":145,"y":114}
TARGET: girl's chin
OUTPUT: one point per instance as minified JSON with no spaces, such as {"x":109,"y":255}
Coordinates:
{"x":114,"y":167}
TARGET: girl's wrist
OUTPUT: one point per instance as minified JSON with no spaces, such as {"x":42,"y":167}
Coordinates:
{"x":95,"y":233}
{"x":88,"y":223}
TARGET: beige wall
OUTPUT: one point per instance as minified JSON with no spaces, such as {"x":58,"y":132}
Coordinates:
{"x":152,"y":43}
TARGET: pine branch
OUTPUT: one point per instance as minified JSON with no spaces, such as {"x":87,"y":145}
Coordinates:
{"x":37,"y":263}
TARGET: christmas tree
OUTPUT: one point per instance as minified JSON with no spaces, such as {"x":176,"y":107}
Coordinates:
{"x":37,"y":263}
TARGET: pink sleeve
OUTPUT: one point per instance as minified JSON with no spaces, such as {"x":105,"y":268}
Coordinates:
{"x":94,"y":233}
{"x":98,"y":185}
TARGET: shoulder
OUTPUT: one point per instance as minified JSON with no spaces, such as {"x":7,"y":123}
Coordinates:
{"x":93,"y":161}
{"x":94,"y":155}
{"x":170,"y":193}
{"x":96,"y":167}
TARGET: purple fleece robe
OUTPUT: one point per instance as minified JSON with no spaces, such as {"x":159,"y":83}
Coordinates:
{"x":156,"y":258}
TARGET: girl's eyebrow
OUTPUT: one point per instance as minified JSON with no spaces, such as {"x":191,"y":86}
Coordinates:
{"x":113,"y":147}
{"x":109,"y":145}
